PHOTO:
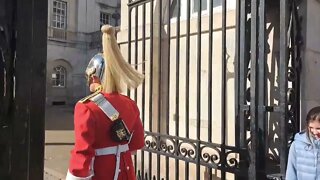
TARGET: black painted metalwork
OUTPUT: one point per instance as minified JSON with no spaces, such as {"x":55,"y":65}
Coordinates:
{"x":254,"y":94}
{"x":187,"y":79}
{"x":198,"y":116}
{"x":166,"y":66}
{"x":23,"y":38}
{"x":144,"y":84}
{"x":261,"y":66}
{"x":210,"y":55}
{"x":283,"y":85}
{"x":151,"y":83}
{"x":176,"y":59}
{"x":224,"y":88}
{"x":177,"y":92}
{"x":195,"y":150}
{"x":7,"y":51}
{"x":242,"y":59}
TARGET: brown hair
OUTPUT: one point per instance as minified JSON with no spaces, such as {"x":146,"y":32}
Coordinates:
{"x":313,"y":115}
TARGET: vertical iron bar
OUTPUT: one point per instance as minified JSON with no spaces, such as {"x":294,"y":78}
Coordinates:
{"x":296,"y":64}
{"x":187,"y":81}
{"x":243,"y":58}
{"x":129,"y":38}
{"x":294,"y":55}
{"x":198,"y":90}
{"x":283,"y":86}
{"x":136,"y":41}
{"x":135,"y":63}
{"x":242,"y":73}
{"x":177,"y":111}
{"x":223,"y":87}
{"x":168,"y":82}
{"x":210,"y":72}
{"x":159,"y":82}
{"x":237,"y":77}
{"x":144,"y":83}
{"x":210,"y":78}
{"x":253,"y":91}
{"x":261,"y":116}
{"x":291,"y":64}
{"x":151,"y":83}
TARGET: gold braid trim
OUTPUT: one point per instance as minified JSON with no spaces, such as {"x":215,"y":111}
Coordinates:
{"x":96,"y":92}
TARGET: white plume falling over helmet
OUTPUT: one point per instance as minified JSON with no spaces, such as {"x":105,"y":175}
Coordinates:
{"x":110,"y":68}
{"x":95,"y":68}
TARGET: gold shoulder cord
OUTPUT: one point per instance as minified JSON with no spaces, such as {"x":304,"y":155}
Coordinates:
{"x":97,"y":91}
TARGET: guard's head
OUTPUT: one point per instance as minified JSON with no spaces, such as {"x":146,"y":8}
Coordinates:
{"x":95,"y":69}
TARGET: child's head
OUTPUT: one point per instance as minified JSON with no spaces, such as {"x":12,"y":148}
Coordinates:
{"x":313,"y":122}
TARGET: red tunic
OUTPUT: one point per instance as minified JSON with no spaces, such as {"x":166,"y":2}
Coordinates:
{"x":91,"y":128}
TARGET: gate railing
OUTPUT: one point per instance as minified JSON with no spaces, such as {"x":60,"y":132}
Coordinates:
{"x":218,"y":77}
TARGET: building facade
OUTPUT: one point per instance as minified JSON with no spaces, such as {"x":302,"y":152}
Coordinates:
{"x":73,"y":38}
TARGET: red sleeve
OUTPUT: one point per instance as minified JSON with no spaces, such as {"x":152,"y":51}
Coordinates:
{"x":137,"y":141}
{"x":83,"y":152}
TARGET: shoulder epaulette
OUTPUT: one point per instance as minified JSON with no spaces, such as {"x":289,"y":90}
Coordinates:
{"x":89,"y":97}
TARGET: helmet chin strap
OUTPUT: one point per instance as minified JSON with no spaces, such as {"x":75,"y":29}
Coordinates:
{"x":98,"y":89}
{"x":94,"y":80}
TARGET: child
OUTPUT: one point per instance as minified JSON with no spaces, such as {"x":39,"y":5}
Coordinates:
{"x":304,"y":154}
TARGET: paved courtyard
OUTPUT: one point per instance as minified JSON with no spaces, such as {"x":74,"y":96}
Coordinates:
{"x":59,"y":140}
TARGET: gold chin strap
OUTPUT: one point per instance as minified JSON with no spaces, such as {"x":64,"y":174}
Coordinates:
{"x":98,"y":89}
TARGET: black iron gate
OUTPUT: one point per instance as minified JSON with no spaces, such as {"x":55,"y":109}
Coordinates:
{"x":221,"y":95}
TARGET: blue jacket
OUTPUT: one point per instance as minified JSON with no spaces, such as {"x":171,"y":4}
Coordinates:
{"x":304,"y":158}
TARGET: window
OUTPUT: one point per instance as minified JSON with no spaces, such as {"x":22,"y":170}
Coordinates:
{"x":59,"y":76}
{"x":104,"y":18}
{"x":59,"y":16}
{"x":174,"y":9}
{"x":205,"y":4}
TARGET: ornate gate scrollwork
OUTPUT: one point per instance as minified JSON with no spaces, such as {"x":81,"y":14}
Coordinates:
{"x":183,"y":89}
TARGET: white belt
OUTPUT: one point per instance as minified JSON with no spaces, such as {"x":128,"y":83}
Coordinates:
{"x":116,"y":150}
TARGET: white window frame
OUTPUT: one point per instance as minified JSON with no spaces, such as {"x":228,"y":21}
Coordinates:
{"x":59,"y":14}
{"x":183,"y":11}
{"x":107,"y":19}
{"x":59,"y":75}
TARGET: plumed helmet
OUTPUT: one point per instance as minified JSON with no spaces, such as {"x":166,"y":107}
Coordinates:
{"x":95,"y":67}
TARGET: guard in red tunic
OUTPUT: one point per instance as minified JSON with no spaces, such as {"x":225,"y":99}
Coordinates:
{"x":107,"y":124}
